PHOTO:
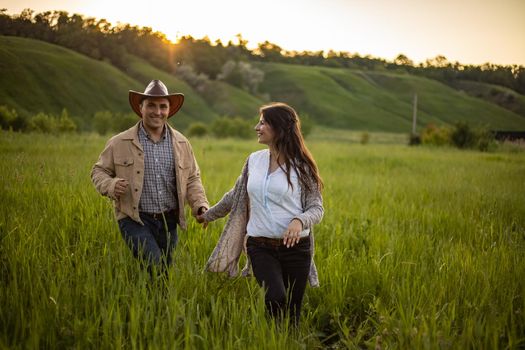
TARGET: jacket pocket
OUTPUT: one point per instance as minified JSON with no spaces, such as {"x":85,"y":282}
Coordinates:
{"x":124,"y":168}
{"x":123,"y":161}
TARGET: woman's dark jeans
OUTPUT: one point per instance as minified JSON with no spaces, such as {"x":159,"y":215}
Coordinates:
{"x":283,"y":272}
{"x":151,"y":242}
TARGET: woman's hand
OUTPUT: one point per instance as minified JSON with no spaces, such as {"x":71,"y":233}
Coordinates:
{"x":200,"y":217}
{"x":292,"y":234}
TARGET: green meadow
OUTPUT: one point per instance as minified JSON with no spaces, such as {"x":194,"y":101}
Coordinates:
{"x":420,"y":248}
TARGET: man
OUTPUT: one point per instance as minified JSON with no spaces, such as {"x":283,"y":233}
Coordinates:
{"x":150,"y":171}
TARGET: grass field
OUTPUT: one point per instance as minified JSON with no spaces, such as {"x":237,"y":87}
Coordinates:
{"x":419,"y":248}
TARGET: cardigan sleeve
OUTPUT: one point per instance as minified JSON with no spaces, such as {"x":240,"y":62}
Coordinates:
{"x":225,"y":205}
{"x":313,"y":210}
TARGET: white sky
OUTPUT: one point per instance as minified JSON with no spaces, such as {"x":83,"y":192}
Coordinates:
{"x":468,"y":31}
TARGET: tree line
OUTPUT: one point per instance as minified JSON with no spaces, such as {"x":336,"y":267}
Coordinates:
{"x":101,"y":40}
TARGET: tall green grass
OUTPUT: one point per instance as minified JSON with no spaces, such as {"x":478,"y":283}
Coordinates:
{"x":419,"y":248}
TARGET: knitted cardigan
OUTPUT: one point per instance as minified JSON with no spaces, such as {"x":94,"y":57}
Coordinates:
{"x":225,"y":256}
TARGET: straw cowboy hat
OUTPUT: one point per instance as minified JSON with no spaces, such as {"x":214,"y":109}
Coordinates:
{"x":155,"y":88}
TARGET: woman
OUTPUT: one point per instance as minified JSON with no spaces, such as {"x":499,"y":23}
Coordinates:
{"x":275,"y":202}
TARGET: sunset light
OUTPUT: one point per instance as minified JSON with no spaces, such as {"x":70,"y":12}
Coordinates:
{"x":363,"y":160}
{"x":467,"y":31}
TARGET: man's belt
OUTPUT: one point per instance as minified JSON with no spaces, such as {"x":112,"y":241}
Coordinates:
{"x":160,"y":216}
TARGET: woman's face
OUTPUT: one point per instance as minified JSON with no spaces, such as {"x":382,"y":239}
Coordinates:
{"x":265,"y":133}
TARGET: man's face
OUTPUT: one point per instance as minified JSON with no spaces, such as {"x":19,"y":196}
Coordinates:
{"x":155,"y":112}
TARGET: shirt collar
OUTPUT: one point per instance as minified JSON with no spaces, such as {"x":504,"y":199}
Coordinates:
{"x":144,"y":132}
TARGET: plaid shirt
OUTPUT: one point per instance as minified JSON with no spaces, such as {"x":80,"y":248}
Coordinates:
{"x":159,"y":193}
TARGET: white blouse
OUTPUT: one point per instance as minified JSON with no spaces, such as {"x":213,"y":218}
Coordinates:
{"x":273,"y":203}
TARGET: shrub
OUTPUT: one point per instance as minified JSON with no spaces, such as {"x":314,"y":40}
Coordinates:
{"x":365,"y":138}
{"x":516,"y":146}
{"x":199,"y":81}
{"x":436,"y":135}
{"x":7,"y":117}
{"x":462,"y":135}
{"x":64,"y":123}
{"x":197,"y":130}
{"x":242,"y":75}
{"x":484,"y":139}
{"x":102,"y":122}
{"x":20,"y":123}
{"x":414,"y":139}
{"x":232,"y":127}
{"x":121,"y":121}
{"x":43,"y":123}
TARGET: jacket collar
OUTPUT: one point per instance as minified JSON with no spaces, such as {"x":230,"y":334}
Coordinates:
{"x":132,"y":134}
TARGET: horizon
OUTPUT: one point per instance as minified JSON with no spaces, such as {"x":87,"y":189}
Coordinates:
{"x":492,"y":35}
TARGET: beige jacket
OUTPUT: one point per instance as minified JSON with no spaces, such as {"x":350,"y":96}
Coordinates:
{"x":123,"y":158}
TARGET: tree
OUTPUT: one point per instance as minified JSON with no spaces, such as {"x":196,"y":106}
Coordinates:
{"x":197,"y":129}
{"x":402,"y":60}
{"x":7,"y":117}
{"x":102,"y":122}
{"x":43,"y":123}
{"x":64,"y":123}
{"x":439,"y":61}
{"x":269,"y":51}
{"x":242,"y":75}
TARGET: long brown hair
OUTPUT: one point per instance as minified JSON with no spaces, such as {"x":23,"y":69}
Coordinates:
{"x":289,"y":143}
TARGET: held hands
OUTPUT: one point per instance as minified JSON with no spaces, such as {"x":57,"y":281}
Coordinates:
{"x":292,"y":234}
{"x":120,"y":187}
{"x":200,"y":217}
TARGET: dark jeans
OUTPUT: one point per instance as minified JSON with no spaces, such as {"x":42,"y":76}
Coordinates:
{"x":151,"y":242}
{"x":283,"y":272}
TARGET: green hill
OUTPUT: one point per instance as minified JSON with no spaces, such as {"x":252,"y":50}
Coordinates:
{"x":502,"y":96}
{"x":230,"y":100}
{"x":366,"y":100}
{"x":36,"y":76}
{"x":39,"y":77}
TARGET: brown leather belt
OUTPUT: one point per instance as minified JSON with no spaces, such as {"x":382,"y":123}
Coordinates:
{"x":276,"y":242}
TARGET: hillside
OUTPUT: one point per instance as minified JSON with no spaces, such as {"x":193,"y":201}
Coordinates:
{"x":229,"y":100}
{"x":380,"y":101}
{"x":502,"y":96}
{"x":36,"y":76}
{"x":39,"y":77}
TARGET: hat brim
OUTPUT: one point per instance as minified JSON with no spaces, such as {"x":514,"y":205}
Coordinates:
{"x":135,"y":98}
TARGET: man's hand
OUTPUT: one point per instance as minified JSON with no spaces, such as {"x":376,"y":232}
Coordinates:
{"x":201,"y":210}
{"x":292,"y":234}
{"x":200,"y":217}
{"x":120,"y":188}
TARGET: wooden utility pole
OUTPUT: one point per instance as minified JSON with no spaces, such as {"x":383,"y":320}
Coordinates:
{"x":414,"y":115}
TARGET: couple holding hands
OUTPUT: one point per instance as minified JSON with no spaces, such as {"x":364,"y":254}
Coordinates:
{"x":150,"y":172}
